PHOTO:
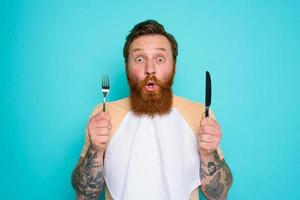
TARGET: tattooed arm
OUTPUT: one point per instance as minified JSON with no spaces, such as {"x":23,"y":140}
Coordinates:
{"x":87,"y":178}
{"x":215,"y":174}
{"x":216,"y":177}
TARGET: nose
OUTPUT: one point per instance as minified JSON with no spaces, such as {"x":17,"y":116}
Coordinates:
{"x":150,"y":68}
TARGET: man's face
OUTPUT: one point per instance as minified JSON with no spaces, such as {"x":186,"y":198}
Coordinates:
{"x":150,"y":72}
{"x":150,"y":55}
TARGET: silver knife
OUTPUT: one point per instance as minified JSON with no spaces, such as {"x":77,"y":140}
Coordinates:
{"x":207,"y":94}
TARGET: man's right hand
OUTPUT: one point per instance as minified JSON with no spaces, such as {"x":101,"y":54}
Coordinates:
{"x":99,"y":127}
{"x":87,"y":178}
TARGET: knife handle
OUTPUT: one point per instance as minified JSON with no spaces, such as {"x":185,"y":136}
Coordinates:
{"x":206,"y":111}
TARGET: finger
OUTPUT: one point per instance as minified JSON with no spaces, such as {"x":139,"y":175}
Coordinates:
{"x":208,"y":138}
{"x":99,"y":124}
{"x":103,"y":115}
{"x":209,"y":141}
{"x":209,"y":130}
{"x":107,"y":115}
{"x":97,"y":135}
{"x":99,"y":140}
{"x":95,"y":117}
{"x":96,"y":130}
{"x":202,"y":116}
{"x":100,"y":108}
{"x":100,"y":115}
{"x":100,"y":131}
{"x":103,"y":139}
{"x":209,"y":121}
{"x":207,"y":146}
{"x":102,"y":124}
{"x":106,"y":125}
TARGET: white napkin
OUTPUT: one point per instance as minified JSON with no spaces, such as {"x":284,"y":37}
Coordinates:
{"x":152,"y":158}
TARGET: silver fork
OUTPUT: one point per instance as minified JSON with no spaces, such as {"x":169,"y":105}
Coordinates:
{"x":105,"y":88}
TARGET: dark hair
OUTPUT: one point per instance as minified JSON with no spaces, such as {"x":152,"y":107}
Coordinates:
{"x":149,"y":27}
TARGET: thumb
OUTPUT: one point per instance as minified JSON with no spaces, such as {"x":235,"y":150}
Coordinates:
{"x":107,"y":115}
{"x":202,"y":117}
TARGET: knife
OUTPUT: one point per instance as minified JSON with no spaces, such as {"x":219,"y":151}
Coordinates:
{"x":207,"y":94}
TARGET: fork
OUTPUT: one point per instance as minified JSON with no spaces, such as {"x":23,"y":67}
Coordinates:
{"x":105,"y":88}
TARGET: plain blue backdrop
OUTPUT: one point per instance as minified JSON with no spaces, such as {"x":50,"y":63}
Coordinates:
{"x":53,"y":52}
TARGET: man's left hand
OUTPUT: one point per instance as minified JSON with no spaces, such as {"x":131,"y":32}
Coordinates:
{"x":209,"y":136}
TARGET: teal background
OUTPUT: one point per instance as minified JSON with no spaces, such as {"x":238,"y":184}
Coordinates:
{"x":53,"y":52}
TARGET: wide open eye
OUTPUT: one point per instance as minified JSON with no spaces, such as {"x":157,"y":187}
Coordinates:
{"x":160,"y":59}
{"x":139,"y":59}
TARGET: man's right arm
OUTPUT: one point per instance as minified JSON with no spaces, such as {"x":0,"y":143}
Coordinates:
{"x":87,"y":178}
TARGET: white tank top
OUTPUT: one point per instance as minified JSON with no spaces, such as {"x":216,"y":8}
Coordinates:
{"x":152,"y":159}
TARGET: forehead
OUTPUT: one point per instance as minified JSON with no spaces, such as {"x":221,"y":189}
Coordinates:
{"x":150,"y":42}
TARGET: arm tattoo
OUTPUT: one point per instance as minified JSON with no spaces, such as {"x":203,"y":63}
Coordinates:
{"x":203,"y":173}
{"x":215,"y":188}
{"x":215,"y":176}
{"x":87,"y":178}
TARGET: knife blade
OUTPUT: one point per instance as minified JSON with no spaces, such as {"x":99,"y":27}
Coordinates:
{"x":207,"y":94}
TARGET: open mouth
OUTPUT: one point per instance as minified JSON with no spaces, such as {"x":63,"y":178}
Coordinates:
{"x":150,"y":86}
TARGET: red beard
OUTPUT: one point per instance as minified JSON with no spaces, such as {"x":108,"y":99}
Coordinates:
{"x":151,"y":103}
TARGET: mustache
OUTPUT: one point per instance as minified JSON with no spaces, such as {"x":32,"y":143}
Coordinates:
{"x":152,"y":79}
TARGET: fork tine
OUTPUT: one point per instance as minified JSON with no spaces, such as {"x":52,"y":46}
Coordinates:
{"x":103,"y":81}
{"x":107,"y":82}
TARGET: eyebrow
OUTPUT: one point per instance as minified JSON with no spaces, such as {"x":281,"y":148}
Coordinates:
{"x":139,"y":49}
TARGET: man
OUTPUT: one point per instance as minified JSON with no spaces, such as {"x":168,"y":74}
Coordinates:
{"x":152,"y":145}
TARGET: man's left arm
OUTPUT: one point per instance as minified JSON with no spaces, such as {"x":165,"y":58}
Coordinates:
{"x":216,"y":177}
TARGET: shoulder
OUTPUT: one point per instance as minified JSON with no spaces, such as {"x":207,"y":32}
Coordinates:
{"x":183,"y":103}
{"x":121,"y":105}
{"x":197,"y":109}
{"x":191,"y":111}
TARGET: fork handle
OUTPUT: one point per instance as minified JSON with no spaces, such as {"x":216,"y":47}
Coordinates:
{"x":103,"y":109}
{"x":104,"y":101}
